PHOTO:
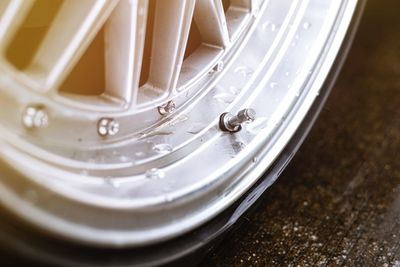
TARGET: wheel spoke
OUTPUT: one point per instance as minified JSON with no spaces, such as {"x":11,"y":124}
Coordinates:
{"x":169,"y":38}
{"x":236,"y":15}
{"x":62,"y":30}
{"x":12,"y":13}
{"x":210,"y":19}
{"x":124,"y":49}
{"x":3,"y":6}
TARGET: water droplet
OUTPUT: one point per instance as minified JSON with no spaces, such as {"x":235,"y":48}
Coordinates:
{"x":112,"y":182}
{"x":177,"y":120}
{"x":156,"y":132}
{"x":154,"y":173}
{"x":256,"y":11}
{"x":180,"y":89}
{"x":140,"y":154}
{"x":306,"y":25}
{"x":162,"y":148}
{"x":257,"y":125}
{"x":124,"y":159}
{"x":255,"y":160}
{"x":224,"y":98}
{"x":195,"y":128}
{"x":238,"y":146}
{"x":269,"y":26}
{"x":235,"y":90}
{"x":287,"y":74}
{"x":273,"y":84}
{"x":84,"y":172}
{"x":168,"y":198}
{"x":243,"y":70}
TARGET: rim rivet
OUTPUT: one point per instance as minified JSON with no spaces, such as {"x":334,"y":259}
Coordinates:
{"x":233,"y":123}
{"x":107,"y":127}
{"x":167,"y":108}
{"x":35,"y":117}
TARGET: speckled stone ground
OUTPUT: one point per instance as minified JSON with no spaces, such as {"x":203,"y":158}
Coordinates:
{"x":338,"y":203}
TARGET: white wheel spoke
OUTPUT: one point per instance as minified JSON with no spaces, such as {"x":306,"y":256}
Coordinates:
{"x":210,"y":19}
{"x":124,"y":38}
{"x":169,"y":38}
{"x":245,"y":4}
{"x":116,"y":51}
{"x":71,"y":50}
{"x":236,"y":15}
{"x":3,"y":5}
{"x":65,"y":29}
{"x":12,"y":13}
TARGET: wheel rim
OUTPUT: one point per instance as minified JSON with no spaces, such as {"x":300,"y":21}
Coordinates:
{"x":144,"y":160}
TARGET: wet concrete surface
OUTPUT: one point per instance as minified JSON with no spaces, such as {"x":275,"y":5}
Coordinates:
{"x":338,"y":203}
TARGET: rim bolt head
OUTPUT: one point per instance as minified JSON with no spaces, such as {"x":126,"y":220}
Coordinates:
{"x":218,"y":67}
{"x":107,"y":127}
{"x":35,"y":117}
{"x":167,"y":108}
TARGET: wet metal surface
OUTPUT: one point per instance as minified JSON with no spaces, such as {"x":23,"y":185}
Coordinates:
{"x":338,"y":203}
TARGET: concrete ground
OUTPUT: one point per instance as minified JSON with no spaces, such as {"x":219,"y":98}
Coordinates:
{"x":338,"y":203}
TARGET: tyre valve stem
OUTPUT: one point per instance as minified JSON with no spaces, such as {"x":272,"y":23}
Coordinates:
{"x":233,"y":123}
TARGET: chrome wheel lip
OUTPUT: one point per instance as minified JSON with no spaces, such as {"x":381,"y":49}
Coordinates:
{"x":230,"y":188}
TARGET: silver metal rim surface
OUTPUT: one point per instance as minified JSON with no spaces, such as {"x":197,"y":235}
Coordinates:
{"x":143,"y":159}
